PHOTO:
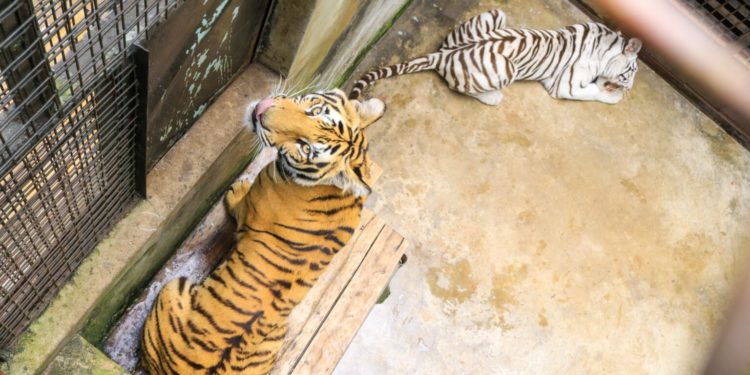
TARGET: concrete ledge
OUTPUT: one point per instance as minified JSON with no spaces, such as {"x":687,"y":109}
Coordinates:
{"x":79,"y":357}
{"x":182,"y":186}
{"x":323,"y":325}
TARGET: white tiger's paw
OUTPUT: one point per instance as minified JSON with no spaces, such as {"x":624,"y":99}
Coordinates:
{"x":489,"y":97}
{"x":611,"y":97}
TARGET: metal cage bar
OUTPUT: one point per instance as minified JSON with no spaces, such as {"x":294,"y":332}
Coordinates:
{"x":729,"y":18}
{"x":68,"y":103}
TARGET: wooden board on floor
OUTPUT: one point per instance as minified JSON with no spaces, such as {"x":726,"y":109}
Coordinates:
{"x":323,"y":325}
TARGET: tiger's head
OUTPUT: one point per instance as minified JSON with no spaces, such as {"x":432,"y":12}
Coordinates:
{"x":620,"y":70}
{"x":319,"y":137}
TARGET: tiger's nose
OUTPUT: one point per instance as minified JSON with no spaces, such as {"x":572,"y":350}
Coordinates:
{"x":261,"y":107}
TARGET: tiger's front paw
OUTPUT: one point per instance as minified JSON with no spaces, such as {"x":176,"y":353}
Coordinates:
{"x":611,"y":97}
{"x":609,"y":92}
{"x":237,"y":193}
{"x":489,"y":97}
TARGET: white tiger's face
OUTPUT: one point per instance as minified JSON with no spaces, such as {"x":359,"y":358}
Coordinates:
{"x":620,"y":71}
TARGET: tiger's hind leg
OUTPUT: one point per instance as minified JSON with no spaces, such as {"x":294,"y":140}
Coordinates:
{"x":481,"y":27}
{"x":485,"y":83}
{"x":489,"y":97}
{"x":262,"y":350}
{"x":500,"y":19}
{"x":158,"y":341}
{"x":487,"y":23}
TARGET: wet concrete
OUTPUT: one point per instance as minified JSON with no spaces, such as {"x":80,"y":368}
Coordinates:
{"x":549,"y":236}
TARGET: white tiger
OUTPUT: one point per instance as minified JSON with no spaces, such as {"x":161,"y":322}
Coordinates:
{"x":481,"y":56}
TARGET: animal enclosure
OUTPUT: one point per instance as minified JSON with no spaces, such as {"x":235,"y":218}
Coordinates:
{"x":93,"y":93}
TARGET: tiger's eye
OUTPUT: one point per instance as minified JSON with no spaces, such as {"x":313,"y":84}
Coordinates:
{"x":316,"y":111}
{"x":306,"y":149}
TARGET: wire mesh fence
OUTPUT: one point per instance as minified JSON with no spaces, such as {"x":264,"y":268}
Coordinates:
{"x":730,"y":18}
{"x":67,"y":130}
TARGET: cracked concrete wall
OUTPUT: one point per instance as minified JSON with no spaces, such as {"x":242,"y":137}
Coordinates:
{"x":321,"y":41}
{"x":287,"y":26}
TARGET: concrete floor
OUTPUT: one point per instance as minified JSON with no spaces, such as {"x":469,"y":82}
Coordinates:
{"x":550,"y":237}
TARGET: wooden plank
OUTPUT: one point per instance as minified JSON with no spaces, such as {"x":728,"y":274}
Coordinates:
{"x":346,"y":292}
{"x":375,"y":172}
{"x":353,"y":304}
{"x":307,"y":317}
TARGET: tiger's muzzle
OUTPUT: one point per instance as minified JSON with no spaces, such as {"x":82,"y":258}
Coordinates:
{"x":257,"y":118}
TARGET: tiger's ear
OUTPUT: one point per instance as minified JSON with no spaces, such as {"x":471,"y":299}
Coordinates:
{"x":634,"y":45}
{"x":369,"y":111}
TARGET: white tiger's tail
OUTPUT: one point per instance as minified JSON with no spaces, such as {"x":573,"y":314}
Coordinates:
{"x":420,"y":64}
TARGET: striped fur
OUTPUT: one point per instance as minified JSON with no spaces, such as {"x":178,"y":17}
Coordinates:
{"x":481,"y":56}
{"x":234,"y":322}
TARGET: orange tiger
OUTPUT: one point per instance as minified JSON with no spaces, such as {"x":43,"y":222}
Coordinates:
{"x":291,"y":221}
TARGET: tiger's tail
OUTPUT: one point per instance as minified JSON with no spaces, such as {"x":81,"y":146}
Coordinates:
{"x":427,"y":62}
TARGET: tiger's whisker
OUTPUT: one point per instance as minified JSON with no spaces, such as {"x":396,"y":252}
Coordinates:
{"x":311,"y":86}
{"x":277,"y":88}
{"x":289,"y":86}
